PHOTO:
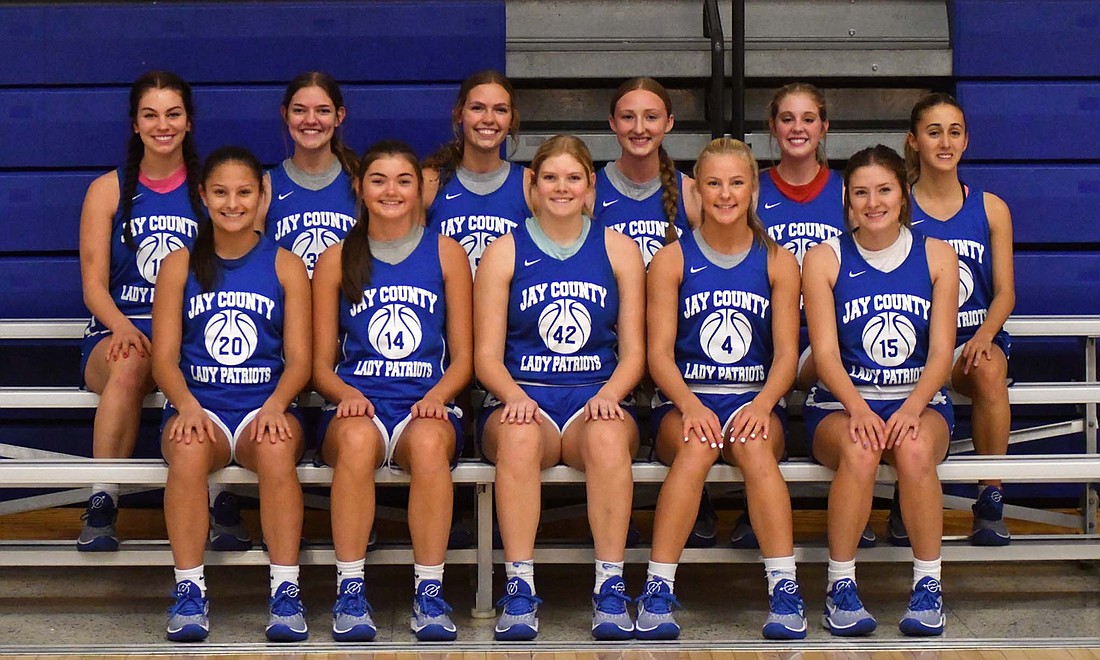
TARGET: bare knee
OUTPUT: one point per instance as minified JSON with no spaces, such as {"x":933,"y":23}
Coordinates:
{"x":357,"y":452}
{"x":131,"y":376}
{"x":605,"y":444}
{"x":428,"y":450}
{"x":519,"y":449}
{"x":751,"y":456}
{"x":913,"y":458}
{"x":859,"y":462}
{"x":696,"y":457}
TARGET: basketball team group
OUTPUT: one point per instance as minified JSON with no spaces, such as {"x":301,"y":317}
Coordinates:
{"x":387,"y":284}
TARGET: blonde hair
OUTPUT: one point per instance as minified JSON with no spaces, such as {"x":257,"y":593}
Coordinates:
{"x":725,"y":146}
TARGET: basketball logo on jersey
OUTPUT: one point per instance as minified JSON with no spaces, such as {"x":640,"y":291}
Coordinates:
{"x":475,"y":243}
{"x":966,"y":283}
{"x":565,"y":326}
{"x":311,"y":243}
{"x":152,"y":250}
{"x":395,"y":331}
{"x":726,"y":336}
{"x":649,"y":246}
{"x":889,"y":338}
{"x":799,"y":247}
{"x":231,"y":337}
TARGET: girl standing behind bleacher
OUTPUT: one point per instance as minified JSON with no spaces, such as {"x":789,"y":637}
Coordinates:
{"x":231,"y":351}
{"x":132,"y":219}
{"x":881,"y":302}
{"x":310,"y":203}
{"x":559,"y":364}
{"x":723,"y":348}
{"x":472,"y":194}
{"x":394,"y":346}
{"x":978,"y":225}
{"x":642,"y":194}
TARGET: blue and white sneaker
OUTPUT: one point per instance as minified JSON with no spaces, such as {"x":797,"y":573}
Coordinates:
{"x":98,"y":534}
{"x":787,"y":615}
{"x":429,"y":614}
{"x":287,"y":622}
{"x":655,"y":620}
{"x":351,"y":615}
{"x":925,"y":614}
{"x":989,"y":521}
{"x":610,"y":620}
{"x":187,"y":620}
{"x":519,"y":622}
{"x":844,"y":613}
{"x":227,"y":532}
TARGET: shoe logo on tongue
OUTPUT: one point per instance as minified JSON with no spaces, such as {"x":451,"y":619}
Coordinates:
{"x":932,"y":587}
{"x":789,"y":587}
{"x":291,"y":590}
{"x":354,"y":587}
{"x":995,"y":496}
{"x":430,"y":589}
{"x":512,"y":587}
{"x":619,"y":586}
{"x":99,"y":501}
{"x":653,"y":587}
{"x":183,"y":588}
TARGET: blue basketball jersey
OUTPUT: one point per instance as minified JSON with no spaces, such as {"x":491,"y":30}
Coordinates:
{"x":724,"y":330}
{"x":968,"y":232}
{"x":231,"y":352}
{"x":161,"y":223}
{"x":475,"y":220}
{"x":308,"y":222}
{"x":883,"y":318}
{"x":800,"y":226}
{"x":642,"y":220}
{"x":562,"y":314}
{"x":394,"y":342}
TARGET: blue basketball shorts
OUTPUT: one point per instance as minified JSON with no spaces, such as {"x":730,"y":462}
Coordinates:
{"x":725,"y":405}
{"x":97,"y":332}
{"x":391,"y":416}
{"x":232,"y":422}
{"x":559,"y":405}
{"x":820,"y":403}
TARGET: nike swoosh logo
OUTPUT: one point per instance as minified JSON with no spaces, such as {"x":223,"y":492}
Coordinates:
{"x":532,"y":262}
{"x":283,"y":196}
{"x":450,"y":196}
{"x":917,"y":222}
{"x":851,"y":274}
{"x":614,"y":201}
{"x":694,"y":270}
{"x":134,"y":198}
{"x":771,"y":206}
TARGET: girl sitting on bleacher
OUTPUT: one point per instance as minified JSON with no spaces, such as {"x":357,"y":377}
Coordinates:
{"x":560,"y":314}
{"x":978,"y":225}
{"x":881,"y":302}
{"x":310,"y":203}
{"x":393,"y":347}
{"x":231,"y":351}
{"x":132,"y":218}
{"x":723,"y":348}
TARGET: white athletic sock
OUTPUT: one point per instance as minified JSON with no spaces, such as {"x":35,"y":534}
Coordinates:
{"x":196,"y":575}
{"x":923,"y":569}
{"x":281,"y":574}
{"x":214,"y":489}
{"x":347,"y":570}
{"x":781,"y":568}
{"x":666,"y":572}
{"x":110,"y":489}
{"x":605,"y":570}
{"x":422,"y":572}
{"x":524,"y":570}
{"x":838,"y":570}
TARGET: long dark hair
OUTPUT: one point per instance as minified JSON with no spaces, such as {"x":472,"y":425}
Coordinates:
{"x":670,"y":192}
{"x":355,"y":258}
{"x":882,"y":156}
{"x":204,"y":261}
{"x":344,"y":154}
{"x":446,"y":159}
{"x":923,"y":105}
{"x":135,"y":148}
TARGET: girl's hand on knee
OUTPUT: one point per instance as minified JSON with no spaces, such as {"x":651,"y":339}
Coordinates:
{"x":701,"y":422}
{"x":355,"y":405}
{"x":974,"y":350}
{"x":902,"y":425}
{"x":271,"y":423}
{"x":867,"y":429}
{"x":192,"y":425}
{"x":126,"y":340}
{"x":522,"y":410}
{"x":750,"y":422}
{"x":603,"y":407}
{"x":429,"y":408}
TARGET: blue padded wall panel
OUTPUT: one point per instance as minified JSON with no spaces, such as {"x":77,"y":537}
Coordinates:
{"x":1026,"y":38}
{"x":40,"y":211}
{"x":96,"y":134}
{"x":228,"y":42}
{"x":1032,"y":121}
{"x":1049,"y":203}
{"x":41,"y":287}
{"x":1057,"y":283}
